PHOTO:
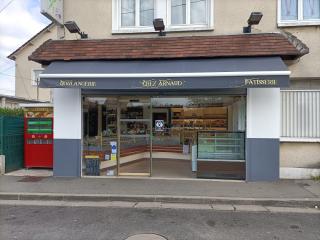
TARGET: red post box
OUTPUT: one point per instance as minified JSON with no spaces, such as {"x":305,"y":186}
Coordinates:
{"x":38,"y":137}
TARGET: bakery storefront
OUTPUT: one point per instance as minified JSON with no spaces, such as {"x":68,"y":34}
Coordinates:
{"x":183,"y":117}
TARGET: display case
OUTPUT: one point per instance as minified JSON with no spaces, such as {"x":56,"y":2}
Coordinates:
{"x":221,"y":155}
{"x":221,"y":145}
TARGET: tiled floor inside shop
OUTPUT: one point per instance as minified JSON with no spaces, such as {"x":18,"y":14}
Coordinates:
{"x":166,"y":168}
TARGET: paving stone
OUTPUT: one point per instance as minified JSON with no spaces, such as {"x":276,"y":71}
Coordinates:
{"x":250,"y":208}
{"x":186,"y":206}
{"x":293,"y":210}
{"x":148,"y":205}
{"x":222,"y":207}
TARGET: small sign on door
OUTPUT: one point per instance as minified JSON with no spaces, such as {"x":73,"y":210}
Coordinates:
{"x":159,"y":125}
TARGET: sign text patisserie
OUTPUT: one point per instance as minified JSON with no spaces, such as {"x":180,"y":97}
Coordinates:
{"x":260,"y":82}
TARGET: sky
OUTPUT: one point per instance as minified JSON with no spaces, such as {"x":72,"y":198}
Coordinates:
{"x":19,"y":21}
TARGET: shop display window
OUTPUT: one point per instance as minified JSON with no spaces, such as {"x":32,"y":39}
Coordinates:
{"x":123,"y":135}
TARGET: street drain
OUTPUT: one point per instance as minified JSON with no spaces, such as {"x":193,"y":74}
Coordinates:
{"x":146,"y":237}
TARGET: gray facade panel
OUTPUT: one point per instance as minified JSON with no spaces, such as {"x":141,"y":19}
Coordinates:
{"x":158,"y":67}
{"x":67,"y":158}
{"x":232,"y":64}
{"x":262,"y":159}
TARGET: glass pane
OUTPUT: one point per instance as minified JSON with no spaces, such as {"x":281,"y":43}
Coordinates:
{"x":176,"y":122}
{"x":128,"y":13}
{"x":289,"y":9}
{"x":135,"y":136}
{"x":178,"y":12}
{"x":198,"y":11}
{"x":221,"y":145}
{"x":311,"y":9}
{"x":100,"y":136}
{"x":146,"y":12}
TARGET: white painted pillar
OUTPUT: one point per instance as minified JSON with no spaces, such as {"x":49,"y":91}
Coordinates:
{"x":263,"y":133}
{"x":67,"y":132}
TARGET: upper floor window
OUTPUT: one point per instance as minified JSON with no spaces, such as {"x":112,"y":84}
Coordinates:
{"x":299,"y":12}
{"x":35,"y":79}
{"x":138,"y":15}
{"x":189,"y":12}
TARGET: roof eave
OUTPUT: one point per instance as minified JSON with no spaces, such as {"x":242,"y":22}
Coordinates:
{"x":12,"y":56}
{"x":48,"y":61}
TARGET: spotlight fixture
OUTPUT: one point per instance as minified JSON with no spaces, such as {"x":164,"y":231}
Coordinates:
{"x":158,"y":25}
{"x":254,"y":19}
{"x":73,"y":28}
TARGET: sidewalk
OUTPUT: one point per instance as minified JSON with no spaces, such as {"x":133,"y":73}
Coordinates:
{"x":291,"y":193}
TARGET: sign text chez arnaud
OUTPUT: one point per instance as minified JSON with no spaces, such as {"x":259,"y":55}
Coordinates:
{"x":163,"y":83}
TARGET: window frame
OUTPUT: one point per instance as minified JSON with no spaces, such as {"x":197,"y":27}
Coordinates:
{"x":117,"y":28}
{"x":33,"y":76}
{"x":300,"y":21}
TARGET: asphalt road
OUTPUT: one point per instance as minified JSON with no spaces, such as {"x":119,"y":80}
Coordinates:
{"x":89,"y":223}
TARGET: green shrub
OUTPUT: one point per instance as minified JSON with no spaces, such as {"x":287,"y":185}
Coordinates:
{"x":316,"y":178}
{"x":17,"y":112}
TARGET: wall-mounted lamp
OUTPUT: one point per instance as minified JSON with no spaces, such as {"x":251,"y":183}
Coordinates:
{"x":73,"y":28}
{"x":254,"y":19}
{"x":158,"y":25}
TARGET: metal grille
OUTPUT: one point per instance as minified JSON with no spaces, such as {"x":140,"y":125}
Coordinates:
{"x":300,"y":114}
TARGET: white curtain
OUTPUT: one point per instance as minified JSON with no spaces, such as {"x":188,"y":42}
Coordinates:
{"x":289,"y":9}
{"x":178,"y":12}
{"x":311,"y":9}
{"x":146,"y":12}
{"x":128,"y":13}
{"x":198,"y":10}
{"x":239,"y":115}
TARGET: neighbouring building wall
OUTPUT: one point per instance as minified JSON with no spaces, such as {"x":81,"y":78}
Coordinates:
{"x":23,"y":81}
{"x":300,"y":131}
{"x":304,"y":84}
{"x":67,"y":132}
{"x":308,"y":66}
{"x":299,"y":160}
{"x":300,"y":155}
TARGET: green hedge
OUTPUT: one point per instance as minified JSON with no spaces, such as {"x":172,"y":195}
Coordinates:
{"x":17,"y":112}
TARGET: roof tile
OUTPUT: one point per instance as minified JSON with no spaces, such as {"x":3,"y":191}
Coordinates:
{"x":266,"y":44}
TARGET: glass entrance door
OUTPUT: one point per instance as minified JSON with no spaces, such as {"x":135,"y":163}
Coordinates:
{"x":134,"y":136}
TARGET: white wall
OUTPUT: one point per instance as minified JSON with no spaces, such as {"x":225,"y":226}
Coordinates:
{"x":67,"y":113}
{"x":24,"y":67}
{"x":263,"y":113}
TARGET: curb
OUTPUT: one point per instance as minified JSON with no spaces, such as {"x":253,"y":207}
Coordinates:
{"x":271,"y":202}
